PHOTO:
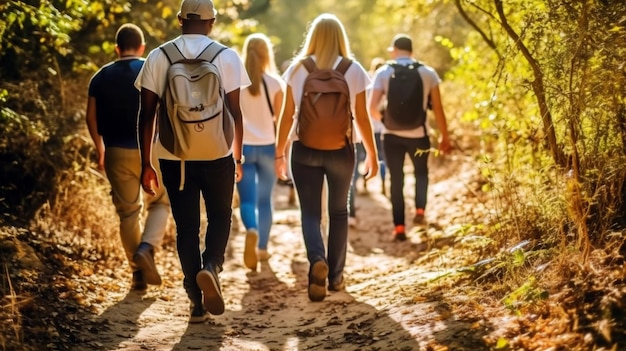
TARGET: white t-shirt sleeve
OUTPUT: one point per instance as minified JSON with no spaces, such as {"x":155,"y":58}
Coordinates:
{"x":153,"y":74}
{"x":232,"y":69}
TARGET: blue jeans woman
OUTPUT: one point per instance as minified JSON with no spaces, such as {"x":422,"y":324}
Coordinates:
{"x":255,"y":193}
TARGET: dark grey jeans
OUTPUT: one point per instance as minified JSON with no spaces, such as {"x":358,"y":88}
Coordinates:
{"x":309,"y":168}
{"x":396,"y":148}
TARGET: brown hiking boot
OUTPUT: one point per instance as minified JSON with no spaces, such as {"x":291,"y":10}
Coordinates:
{"x":317,"y":281}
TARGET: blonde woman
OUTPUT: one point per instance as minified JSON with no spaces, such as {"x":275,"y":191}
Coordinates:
{"x":260,"y":103}
{"x":327,"y":43}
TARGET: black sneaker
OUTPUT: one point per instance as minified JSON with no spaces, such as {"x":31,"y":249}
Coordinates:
{"x":138,"y":283}
{"x":144,"y":259}
{"x":317,"y":281}
{"x":197,"y":313}
{"x":209,"y":283}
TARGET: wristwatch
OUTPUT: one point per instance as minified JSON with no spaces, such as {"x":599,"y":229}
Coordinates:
{"x":241,"y":161}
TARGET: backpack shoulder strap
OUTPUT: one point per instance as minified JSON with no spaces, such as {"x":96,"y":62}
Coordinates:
{"x":343,"y":65}
{"x":267,"y":96}
{"x":211,"y":51}
{"x":172,"y":52}
{"x":309,"y":64}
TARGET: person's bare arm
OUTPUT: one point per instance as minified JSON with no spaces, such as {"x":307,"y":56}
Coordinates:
{"x":440,"y":118}
{"x":92,"y":126}
{"x":232,"y":99}
{"x":278,"y":104}
{"x":375,"y":99}
{"x":145,"y":132}
{"x":364,"y":125}
{"x":285,"y":121}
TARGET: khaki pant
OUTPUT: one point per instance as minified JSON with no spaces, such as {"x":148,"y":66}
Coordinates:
{"x":123,"y":169}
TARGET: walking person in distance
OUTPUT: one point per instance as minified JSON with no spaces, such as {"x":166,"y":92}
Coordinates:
{"x":408,"y":88}
{"x":260,"y":104}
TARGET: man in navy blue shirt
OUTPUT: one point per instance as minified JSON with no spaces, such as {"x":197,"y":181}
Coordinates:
{"x":112,"y":111}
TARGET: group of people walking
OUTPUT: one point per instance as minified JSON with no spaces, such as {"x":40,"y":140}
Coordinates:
{"x":263,"y":125}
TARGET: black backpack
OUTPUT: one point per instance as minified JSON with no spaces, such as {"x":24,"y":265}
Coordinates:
{"x":405,"y":98}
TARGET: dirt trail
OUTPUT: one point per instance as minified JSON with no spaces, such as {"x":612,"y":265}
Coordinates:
{"x":385,"y":305}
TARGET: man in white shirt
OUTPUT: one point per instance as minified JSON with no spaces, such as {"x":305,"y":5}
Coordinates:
{"x":213,"y":179}
{"x":397,"y":143}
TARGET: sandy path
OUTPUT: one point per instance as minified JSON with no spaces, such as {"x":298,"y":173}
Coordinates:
{"x":385,"y":306}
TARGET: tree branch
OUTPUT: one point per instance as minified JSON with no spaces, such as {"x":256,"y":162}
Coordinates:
{"x":473,"y":24}
{"x":538,"y":87}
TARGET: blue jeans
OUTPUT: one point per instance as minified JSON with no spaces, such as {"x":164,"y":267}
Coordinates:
{"x":395,"y":150}
{"x":255,"y":190}
{"x":215,"y":180}
{"x":309,"y":168}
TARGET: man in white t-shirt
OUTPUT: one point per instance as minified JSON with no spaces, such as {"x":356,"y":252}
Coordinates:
{"x":397,"y":143}
{"x":213,"y":179}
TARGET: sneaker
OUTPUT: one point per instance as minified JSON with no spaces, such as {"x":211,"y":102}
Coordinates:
{"x":352,"y":222}
{"x":398,"y":233}
{"x":263,"y":255}
{"x":138,"y":283}
{"x":197,"y":313}
{"x":210,"y":285}
{"x":144,"y":259}
{"x":419,"y":216}
{"x":317,"y":281}
{"x":249,"y":250}
{"x":339,"y":284}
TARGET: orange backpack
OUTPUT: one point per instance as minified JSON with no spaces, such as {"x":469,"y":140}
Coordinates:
{"x":325,"y":117}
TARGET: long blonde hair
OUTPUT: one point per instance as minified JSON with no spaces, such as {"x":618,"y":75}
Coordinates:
{"x":326,"y":39}
{"x":258,"y":56}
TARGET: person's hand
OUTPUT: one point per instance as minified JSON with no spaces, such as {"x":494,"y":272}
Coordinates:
{"x":445,"y":146}
{"x":280,"y":167}
{"x":238,"y":172}
{"x":149,"y":180}
{"x":101,"y":161}
{"x":371,"y":167}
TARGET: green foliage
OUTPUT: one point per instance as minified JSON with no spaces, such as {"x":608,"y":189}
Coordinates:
{"x":554,"y":70}
{"x":33,"y":32}
{"x":527,"y":293}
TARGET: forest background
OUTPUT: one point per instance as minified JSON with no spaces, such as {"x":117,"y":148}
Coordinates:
{"x":534,"y":92}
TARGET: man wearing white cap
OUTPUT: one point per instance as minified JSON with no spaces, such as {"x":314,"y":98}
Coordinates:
{"x":213,"y":179}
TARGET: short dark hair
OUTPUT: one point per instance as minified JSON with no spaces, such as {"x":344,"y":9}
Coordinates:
{"x":403,"y":42}
{"x":129,"y":37}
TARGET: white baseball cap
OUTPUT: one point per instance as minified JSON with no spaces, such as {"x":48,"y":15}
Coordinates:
{"x":197,"y":10}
